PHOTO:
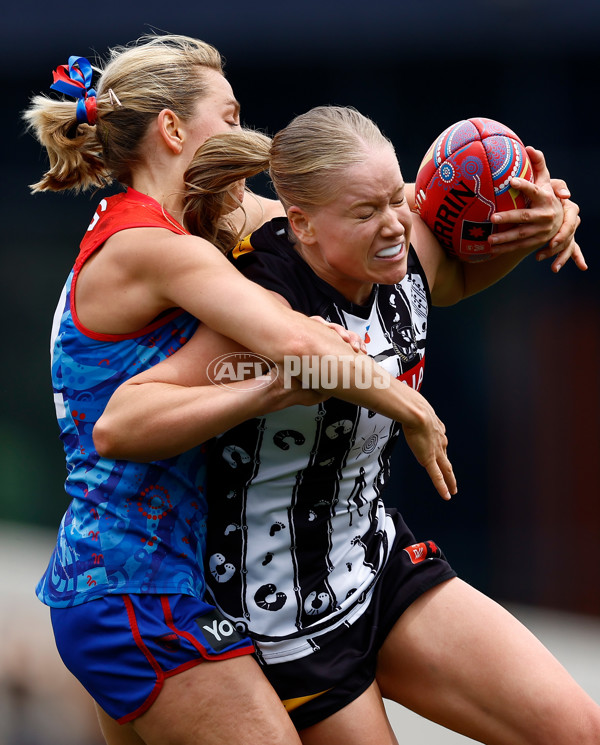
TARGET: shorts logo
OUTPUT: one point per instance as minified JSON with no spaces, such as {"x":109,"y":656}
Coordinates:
{"x":419,"y":552}
{"x":220,"y":632}
{"x":169,"y":642}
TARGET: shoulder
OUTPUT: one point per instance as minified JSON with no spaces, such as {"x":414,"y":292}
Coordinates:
{"x":441,"y":271}
{"x":129,"y":209}
{"x":257,"y":211}
{"x":263,"y":210}
{"x":267,"y":244}
{"x":151,"y":265}
{"x":149,"y":245}
{"x":267,"y":257}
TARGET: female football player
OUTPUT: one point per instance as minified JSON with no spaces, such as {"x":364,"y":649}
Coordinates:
{"x":345,"y":605}
{"x":125,"y":583}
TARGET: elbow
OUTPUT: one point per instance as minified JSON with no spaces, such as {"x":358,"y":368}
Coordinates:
{"x":105,"y":439}
{"x":114,"y":442}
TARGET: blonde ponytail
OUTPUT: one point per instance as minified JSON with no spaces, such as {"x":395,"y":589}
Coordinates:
{"x":138,"y":81}
{"x":74,"y":153}
{"x":221,"y":162}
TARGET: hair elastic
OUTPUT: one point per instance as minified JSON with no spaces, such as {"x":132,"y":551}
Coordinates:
{"x":74,"y":79}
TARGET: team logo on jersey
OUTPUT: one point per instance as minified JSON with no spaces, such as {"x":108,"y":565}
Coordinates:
{"x":404,"y":342}
{"x":419,"y":552}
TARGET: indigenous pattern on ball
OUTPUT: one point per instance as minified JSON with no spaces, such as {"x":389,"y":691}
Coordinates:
{"x":464,"y":178}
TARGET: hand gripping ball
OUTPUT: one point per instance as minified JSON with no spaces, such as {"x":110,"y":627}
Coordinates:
{"x":464,"y":178}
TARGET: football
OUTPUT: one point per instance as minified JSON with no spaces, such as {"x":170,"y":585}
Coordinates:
{"x":464,"y":178}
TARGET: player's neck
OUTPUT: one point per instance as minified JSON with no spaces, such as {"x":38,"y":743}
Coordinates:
{"x":163,"y":187}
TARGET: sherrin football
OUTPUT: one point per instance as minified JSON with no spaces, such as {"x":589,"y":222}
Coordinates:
{"x":464,"y":178}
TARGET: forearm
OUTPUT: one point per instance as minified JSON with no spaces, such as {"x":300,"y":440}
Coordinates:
{"x":480,"y":275}
{"x":154,"y":420}
{"x":302,"y":346}
{"x":358,"y":379}
{"x":174,"y":406}
{"x":148,"y":420}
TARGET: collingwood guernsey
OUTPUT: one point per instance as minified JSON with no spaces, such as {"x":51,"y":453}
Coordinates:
{"x":297,"y":532}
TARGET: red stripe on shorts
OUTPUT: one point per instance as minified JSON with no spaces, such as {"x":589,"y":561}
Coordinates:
{"x":160,"y":677}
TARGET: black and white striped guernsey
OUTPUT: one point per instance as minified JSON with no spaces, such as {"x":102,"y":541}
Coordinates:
{"x":297,"y":530}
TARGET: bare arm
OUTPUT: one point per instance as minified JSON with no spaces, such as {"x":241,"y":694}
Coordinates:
{"x":142,"y":272}
{"x":171,"y":408}
{"x":451,"y":280}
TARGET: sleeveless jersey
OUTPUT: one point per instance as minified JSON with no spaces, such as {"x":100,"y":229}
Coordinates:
{"x":130,"y":527}
{"x":298,"y":533}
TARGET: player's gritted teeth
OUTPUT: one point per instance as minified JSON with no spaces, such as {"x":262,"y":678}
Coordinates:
{"x":391,"y":252}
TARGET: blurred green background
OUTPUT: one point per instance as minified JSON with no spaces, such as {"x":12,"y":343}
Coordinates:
{"x":514,"y":372}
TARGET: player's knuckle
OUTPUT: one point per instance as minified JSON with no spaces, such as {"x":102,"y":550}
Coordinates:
{"x":525,"y":216}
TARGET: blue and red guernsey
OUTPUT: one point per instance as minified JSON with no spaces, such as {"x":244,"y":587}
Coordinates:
{"x":130,"y":527}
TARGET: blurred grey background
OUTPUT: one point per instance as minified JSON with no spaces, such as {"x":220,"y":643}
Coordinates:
{"x":514,"y":372}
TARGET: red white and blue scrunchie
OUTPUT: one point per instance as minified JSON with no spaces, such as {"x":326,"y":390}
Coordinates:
{"x":74,"y":79}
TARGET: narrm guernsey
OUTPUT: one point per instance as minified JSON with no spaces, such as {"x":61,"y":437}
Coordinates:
{"x":298,"y":533}
{"x":130,"y":527}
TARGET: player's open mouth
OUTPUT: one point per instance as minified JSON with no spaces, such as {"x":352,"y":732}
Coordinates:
{"x":388,"y":253}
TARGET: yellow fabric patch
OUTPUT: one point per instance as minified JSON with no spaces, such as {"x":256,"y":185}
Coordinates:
{"x":293,"y":703}
{"x":243,"y":247}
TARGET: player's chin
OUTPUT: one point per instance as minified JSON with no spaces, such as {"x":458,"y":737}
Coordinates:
{"x":390,"y":272}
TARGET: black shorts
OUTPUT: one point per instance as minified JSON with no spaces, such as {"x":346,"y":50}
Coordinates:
{"x":314,"y":687}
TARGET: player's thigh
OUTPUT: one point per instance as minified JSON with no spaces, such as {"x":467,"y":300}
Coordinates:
{"x":115,"y":733}
{"x":362,"y":722}
{"x":226,"y":701}
{"x":462,"y":660}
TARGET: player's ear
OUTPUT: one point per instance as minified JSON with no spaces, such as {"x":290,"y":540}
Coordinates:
{"x":169,"y":128}
{"x":301,"y":224}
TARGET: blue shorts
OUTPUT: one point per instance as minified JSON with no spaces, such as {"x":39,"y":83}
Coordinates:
{"x":122,"y":647}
